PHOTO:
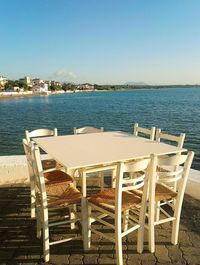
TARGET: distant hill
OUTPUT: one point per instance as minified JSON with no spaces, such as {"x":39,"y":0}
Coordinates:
{"x":135,"y":84}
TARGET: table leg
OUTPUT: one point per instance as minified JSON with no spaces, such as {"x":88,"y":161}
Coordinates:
{"x":84,"y":188}
{"x":84,"y":213}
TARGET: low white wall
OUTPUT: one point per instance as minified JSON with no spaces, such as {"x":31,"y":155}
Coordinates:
{"x":13,"y":170}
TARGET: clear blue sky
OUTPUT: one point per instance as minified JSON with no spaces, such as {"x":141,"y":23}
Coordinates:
{"x":101,"y":41}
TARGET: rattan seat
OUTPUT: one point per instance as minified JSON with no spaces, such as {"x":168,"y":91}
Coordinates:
{"x":163,"y":192}
{"x":59,"y":195}
{"x":106,"y":200}
{"x":57,"y":176}
{"x":48,"y":164}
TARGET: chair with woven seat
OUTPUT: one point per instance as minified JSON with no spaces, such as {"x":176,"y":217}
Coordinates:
{"x":178,"y":140}
{"x":87,"y":129}
{"x":172,"y":139}
{"x":53,"y":176}
{"x":92,"y":177}
{"x":162,"y":193}
{"x":47,"y":163}
{"x":143,"y":131}
{"x":116,"y":204}
{"x":52,"y":196}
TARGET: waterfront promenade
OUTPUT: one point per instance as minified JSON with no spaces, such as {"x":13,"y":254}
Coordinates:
{"x":18,"y":243}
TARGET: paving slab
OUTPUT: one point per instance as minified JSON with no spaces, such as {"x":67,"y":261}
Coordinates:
{"x":19,"y":245}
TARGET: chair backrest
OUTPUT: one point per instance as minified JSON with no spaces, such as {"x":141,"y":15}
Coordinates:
{"x":179,"y":140}
{"x":28,"y":152}
{"x":41,"y":196}
{"x":40,"y":133}
{"x":87,"y":129}
{"x":173,"y":174}
{"x":143,"y":131}
{"x":136,"y":179}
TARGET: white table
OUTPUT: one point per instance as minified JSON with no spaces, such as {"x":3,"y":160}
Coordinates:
{"x":86,"y":150}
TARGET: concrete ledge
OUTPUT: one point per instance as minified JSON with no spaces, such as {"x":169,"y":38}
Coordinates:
{"x":14,"y":171}
{"x":193,"y":184}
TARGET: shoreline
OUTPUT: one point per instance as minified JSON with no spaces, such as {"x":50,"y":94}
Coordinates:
{"x":14,"y":95}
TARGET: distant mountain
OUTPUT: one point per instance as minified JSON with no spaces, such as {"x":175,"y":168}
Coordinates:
{"x":136,"y":84}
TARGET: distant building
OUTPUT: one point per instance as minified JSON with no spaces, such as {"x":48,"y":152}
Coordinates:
{"x":48,"y":82}
{"x":41,"y":88}
{"x":37,"y":81}
{"x":3,"y":80}
{"x":26,"y":80}
{"x":56,"y":83}
{"x":16,"y":88}
{"x":85,"y":86}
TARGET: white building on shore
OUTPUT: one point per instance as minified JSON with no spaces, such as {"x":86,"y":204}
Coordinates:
{"x":3,"y":80}
{"x":41,"y":88}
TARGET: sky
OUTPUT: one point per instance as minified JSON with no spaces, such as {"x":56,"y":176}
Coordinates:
{"x":101,"y":41}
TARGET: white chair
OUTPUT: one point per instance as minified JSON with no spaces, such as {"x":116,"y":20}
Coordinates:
{"x":143,"y":131}
{"x":54,"y":176}
{"x":40,"y":133}
{"x":87,"y":129}
{"x":48,"y":164}
{"x":53,"y":196}
{"x":119,"y":204}
{"x":178,"y":140}
{"x":162,"y":193}
{"x":92,"y":176}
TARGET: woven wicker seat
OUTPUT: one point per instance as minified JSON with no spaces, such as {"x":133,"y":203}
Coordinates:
{"x":163,"y":192}
{"x":48,"y":164}
{"x":57,"y":176}
{"x":59,"y":195}
{"x":106,"y":200}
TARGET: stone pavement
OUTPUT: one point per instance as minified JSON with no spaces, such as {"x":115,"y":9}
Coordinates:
{"x":18,"y":243}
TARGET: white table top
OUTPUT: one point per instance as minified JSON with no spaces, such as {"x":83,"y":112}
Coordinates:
{"x":84,"y":150}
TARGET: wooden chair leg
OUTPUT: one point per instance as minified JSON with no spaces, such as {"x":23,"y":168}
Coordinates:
{"x":84,"y":217}
{"x":39,"y":228}
{"x":72,"y":216}
{"x":176,"y":222}
{"x":46,"y":247}
{"x":151,"y":229}
{"x":125,"y":220}
{"x":157,"y":210}
{"x":114,"y":172}
{"x":89,"y":226}
{"x":140,"y":237}
{"x":32,"y":187}
{"x":118,"y":247}
{"x":101,"y":178}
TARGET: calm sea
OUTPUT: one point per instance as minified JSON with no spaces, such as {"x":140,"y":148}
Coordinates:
{"x":173,"y":110}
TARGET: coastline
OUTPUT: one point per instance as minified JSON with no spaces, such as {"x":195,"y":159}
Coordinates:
{"x":14,"y":95}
